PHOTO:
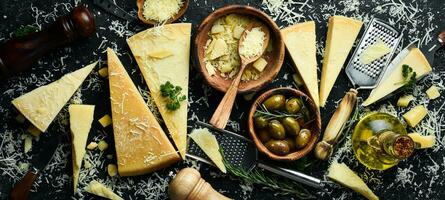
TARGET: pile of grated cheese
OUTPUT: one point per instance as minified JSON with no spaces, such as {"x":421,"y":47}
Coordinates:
{"x":253,"y":42}
{"x":161,"y":11}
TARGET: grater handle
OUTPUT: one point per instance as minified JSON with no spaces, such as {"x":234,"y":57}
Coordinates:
{"x":293,"y":175}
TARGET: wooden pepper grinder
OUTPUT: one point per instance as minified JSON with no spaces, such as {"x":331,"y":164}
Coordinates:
{"x":188,"y":185}
{"x":17,"y":54}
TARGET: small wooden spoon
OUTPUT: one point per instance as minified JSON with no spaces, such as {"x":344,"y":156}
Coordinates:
{"x":222,"y":113}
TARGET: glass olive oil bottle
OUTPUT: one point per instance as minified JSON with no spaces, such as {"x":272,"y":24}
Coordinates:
{"x":380,"y":141}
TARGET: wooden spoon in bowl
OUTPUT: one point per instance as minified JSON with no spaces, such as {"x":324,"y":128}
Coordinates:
{"x":222,"y":113}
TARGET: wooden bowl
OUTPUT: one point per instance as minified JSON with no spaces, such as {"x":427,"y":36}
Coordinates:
{"x":314,"y":126}
{"x":140,"y":4}
{"x":274,"y":61}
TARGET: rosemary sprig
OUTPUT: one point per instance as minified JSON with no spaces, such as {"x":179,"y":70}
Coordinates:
{"x":269,"y":115}
{"x":258,"y":177}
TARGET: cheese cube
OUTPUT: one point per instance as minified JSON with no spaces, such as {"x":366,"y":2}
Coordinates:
{"x":103,"y":72}
{"x":160,"y":54}
{"x":260,"y":64}
{"x":217,"y":28}
{"x":237,"y":32}
{"x":112,"y":170}
{"x":423,"y":141}
{"x":86,"y":164}
{"x":415,"y":115}
{"x":405,"y":100}
{"x":433,"y":92}
{"x":105,"y":120}
{"x":219,"y":49}
{"x":34,"y":131}
{"x":92,"y":146}
{"x":102,"y":145}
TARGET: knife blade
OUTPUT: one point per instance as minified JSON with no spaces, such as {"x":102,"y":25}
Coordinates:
{"x":111,"y":8}
{"x":430,"y":49}
{"x":39,"y":162}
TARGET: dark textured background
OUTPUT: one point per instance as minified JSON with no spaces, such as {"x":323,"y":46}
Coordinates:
{"x":15,"y":13}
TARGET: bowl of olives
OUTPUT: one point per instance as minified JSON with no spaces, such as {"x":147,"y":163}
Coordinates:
{"x":284,"y":123}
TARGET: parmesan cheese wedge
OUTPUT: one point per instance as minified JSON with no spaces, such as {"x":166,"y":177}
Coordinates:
{"x":101,"y":190}
{"x":416,"y":60}
{"x":141,"y":144}
{"x":176,"y":39}
{"x":341,"y":173}
{"x":300,"y":41}
{"x":42,"y":105}
{"x":208,"y":143}
{"x":423,"y":141}
{"x":81,"y":118}
{"x":342,"y":32}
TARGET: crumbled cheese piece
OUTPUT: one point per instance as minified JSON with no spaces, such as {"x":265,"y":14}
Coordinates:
{"x":238,"y":31}
{"x":28,"y":144}
{"x":405,"y":100}
{"x":217,"y":28}
{"x":423,"y":141}
{"x":219,"y":49}
{"x":34,"y":131}
{"x":433,"y":92}
{"x":92,"y":146}
{"x":415,"y":115}
{"x":101,"y":190}
{"x":102,"y":145}
{"x":260,"y":64}
{"x":20,"y":118}
{"x":103,"y":72}
{"x":105,"y":121}
{"x":24,"y":167}
{"x":86,"y":164}
{"x":160,"y":54}
{"x":112,"y":170}
{"x":253,"y":43}
{"x":161,"y":11}
{"x":374,"y":52}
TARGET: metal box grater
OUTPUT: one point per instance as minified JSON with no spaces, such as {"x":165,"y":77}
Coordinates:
{"x":368,"y":76}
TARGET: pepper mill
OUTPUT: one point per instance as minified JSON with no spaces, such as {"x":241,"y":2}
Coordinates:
{"x":17,"y":54}
{"x":188,"y":185}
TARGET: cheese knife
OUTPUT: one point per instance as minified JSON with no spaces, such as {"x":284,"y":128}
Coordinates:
{"x":430,"y":49}
{"x":110,"y":7}
{"x":39,"y":162}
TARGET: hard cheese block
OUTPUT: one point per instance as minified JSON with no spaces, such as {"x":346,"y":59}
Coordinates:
{"x":301,"y":44}
{"x":208,"y":143}
{"x":81,"y":117}
{"x":42,"y":105}
{"x":101,"y":190}
{"x":342,"y":174}
{"x":416,"y":60}
{"x":173,"y":38}
{"x":342,"y":32}
{"x":141,"y":144}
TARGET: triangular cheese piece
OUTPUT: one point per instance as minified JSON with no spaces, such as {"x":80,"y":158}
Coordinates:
{"x":416,"y":60}
{"x":208,"y":143}
{"x":141,"y":144}
{"x":175,"y":39}
{"x":42,"y":105}
{"x":81,"y":117}
{"x":101,"y":190}
{"x":301,"y":44}
{"x":342,"y":32}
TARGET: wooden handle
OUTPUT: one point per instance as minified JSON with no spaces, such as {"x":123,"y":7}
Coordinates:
{"x":442,"y":37}
{"x":21,"y":189}
{"x":222,"y":113}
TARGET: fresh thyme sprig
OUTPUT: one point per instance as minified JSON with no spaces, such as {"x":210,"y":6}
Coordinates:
{"x":269,"y":115}
{"x":258,"y":177}
{"x":173,"y":95}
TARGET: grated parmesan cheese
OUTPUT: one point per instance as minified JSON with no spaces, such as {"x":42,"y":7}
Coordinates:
{"x":161,"y":11}
{"x":253,"y":43}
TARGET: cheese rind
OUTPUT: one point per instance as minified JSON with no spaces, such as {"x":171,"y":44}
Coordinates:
{"x":42,"y":105}
{"x":342,"y":174}
{"x":416,"y":60}
{"x":208,"y":143}
{"x":81,"y":118}
{"x":300,"y":41}
{"x":342,"y":32}
{"x":101,"y":190}
{"x":141,"y":144}
{"x":176,"y":39}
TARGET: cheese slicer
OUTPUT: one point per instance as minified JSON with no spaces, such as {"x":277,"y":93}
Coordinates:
{"x":367,"y":76}
{"x":241,"y":152}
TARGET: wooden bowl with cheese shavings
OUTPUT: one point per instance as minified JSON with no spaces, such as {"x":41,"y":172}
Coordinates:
{"x":161,"y":12}
{"x":216,"y":51}
{"x":311,"y":123}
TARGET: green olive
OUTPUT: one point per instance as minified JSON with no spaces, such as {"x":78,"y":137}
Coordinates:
{"x":293,"y":105}
{"x":263,"y":135}
{"x":291,"y":125}
{"x":260,"y":122}
{"x":291,"y":142}
{"x":275,"y":102}
{"x":279,"y":147}
{"x":276,"y":130}
{"x":302,"y":138}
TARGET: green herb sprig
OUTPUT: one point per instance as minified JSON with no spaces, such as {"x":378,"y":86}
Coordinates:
{"x":269,"y":115}
{"x":270,"y":182}
{"x":25,"y":30}
{"x":409,"y":78}
{"x":173,"y":95}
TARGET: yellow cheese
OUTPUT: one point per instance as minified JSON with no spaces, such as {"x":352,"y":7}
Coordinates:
{"x":415,"y":115}
{"x":238,"y":31}
{"x":92,"y":146}
{"x":28,"y":143}
{"x":217,"y":28}
{"x":253,"y":43}
{"x":342,"y":32}
{"x":345,"y":176}
{"x":374,"y":52}
{"x":260,"y":64}
{"x":433,"y":92}
{"x":208,"y":143}
{"x":103,"y":72}
{"x":405,"y":100}
{"x":160,"y":54}
{"x":219,"y":48}
{"x":416,"y":60}
{"x":101,"y":190}
{"x":176,"y":38}
{"x":423,"y":141}
{"x":105,"y":121}
{"x":112,"y":170}
{"x":300,"y":41}
{"x":141,"y":144}
{"x":81,"y":118}
{"x":42,"y":105}
{"x":102,"y":145}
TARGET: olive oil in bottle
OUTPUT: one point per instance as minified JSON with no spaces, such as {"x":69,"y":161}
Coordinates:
{"x":380,"y":141}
